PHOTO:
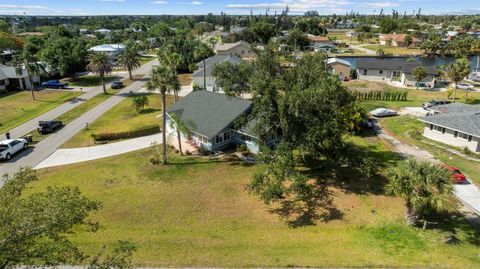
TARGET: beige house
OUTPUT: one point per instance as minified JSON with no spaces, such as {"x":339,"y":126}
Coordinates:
{"x":397,"y":40}
{"x":339,"y":67}
{"x":318,"y":40}
{"x":241,"y":49}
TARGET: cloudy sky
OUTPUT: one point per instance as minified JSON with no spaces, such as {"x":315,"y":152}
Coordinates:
{"x":148,"y":7}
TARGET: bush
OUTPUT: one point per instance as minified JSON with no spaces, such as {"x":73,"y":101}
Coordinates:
{"x":154,"y":159}
{"x":187,"y":152}
{"x":242,"y":148}
{"x":196,"y":87}
{"x":148,"y":130}
{"x":467,"y":151}
{"x":3,"y":91}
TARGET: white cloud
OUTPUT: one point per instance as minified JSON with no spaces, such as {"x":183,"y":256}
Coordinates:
{"x":381,"y":4}
{"x":294,"y":5}
{"x":9,"y":6}
{"x":197,"y":3}
{"x":112,"y":0}
{"x":159,"y":2}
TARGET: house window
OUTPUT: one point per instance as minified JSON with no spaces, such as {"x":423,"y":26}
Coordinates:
{"x":380,"y":72}
{"x":218,"y":139}
{"x":365,"y":72}
{"x":431,"y":126}
{"x":438,"y":129}
{"x":226,"y":136}
{"x":462,"y":136}
{"x":242,"y":52}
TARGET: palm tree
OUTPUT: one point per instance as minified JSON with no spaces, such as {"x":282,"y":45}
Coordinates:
{"x":130,"y":60}
{"x":163,"y":78}
{"x":32,"y":68}
{"x":181,"y":127}
{"x":201,"y":52}
{"x":457,"y":72}
{"x":424,"y":186}
{"x":100,"y":64}
{"x":172,"y":60}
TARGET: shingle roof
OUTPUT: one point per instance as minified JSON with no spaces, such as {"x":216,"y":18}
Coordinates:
{"x":392,"y":64}
{"x":465,"y":122}
{"x":338,"y":60}
{"x":107,"y":48}
{"x":11,"y":72}
{"x":397,"y":37}
{"x":209,"y":112}
{"x":229,"y":46}
{"x":455,"y":108}
{"x":409,"y":66}
{"x":210,"y":63}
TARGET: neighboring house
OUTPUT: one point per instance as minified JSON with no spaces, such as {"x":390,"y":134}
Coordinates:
{"x":9,"y":79}
{"x":455,"y":124}
{"x":351,"y":34}
{"x":210,"y":63}
{"x":112,"y":50}
{"x":241,"y":49}
{"x":210,"y":119}
{"x":339,"y":67}
{"x":318,"y":40}
{"x":31,"y":34}
{"x":397,"y":40}
{"x":451,"y":35}
{"x":83,"y":31}
{"x":105,"y":32}
{"x":374,"y":69}
{"x":324,"y":47}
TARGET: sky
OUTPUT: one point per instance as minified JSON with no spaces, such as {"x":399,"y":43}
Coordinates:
{"x":187,"y":7}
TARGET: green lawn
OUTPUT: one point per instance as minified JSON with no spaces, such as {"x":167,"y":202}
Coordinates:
{"x":408,"y":130}
{"x":90,"y":81}
{"x":197,"y":212}
{"x":395,"y":50}
{"x":18,"y":107}
{"x":122,"y":117}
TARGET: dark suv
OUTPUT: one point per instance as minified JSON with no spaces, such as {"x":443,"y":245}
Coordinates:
{"x":117,"y":85}
{"x":45,"y":127}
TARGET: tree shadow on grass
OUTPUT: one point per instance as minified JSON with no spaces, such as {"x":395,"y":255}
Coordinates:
{"x":318,"y":206}
{"x":149,"y":110}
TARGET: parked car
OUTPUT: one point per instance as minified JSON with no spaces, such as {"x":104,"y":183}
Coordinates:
{"x":117,"y":85}
{"x":54,"y":84}
{"x":45,"y":127}
{"x":383,"y":112}
{"x":457,"y":176}
{"x":368,"y":123}
{"x":434,"y":102}
{"x":474,"y":76}
{"x":464,"y":86}
{"x":9,"y":147}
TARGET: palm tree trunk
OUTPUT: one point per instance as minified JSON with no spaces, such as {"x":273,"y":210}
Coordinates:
{"x":130,"y":73}
{"x":179,"y":142}
{"x":204,"y":76}
{"x":31,"y":87}
{"x":454,"y":91}
{"x":411,"y":215}
{"x":103,"y":84}
{"x":164,"y":136}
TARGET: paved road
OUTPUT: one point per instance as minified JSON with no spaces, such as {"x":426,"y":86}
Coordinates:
{"x":76,"y":155}
{"x":35,"y":154}
{"x":32,"y":124}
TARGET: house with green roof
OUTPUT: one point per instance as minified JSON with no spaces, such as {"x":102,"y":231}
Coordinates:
{"x":210,"y":118}
{"x":454,"y":124}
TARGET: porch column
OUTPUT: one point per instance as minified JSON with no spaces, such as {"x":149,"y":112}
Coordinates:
{"x":21,"y":84}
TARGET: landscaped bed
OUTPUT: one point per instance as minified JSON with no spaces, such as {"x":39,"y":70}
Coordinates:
{"x":19,"y":107}
{"x":197,"y":212}
{"x":121,"y":118}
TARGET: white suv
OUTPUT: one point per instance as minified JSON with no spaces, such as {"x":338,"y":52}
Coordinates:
{"x":11,"y":146}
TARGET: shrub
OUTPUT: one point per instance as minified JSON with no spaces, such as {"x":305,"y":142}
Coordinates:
{"x":187,"y":152}
{"x":144,"y":131}
{"x":242,"y":148}
{"x":154,"y":159}
{"x":196,"y":87}
{"x":3,"y":91}
{"x":467,"y":151}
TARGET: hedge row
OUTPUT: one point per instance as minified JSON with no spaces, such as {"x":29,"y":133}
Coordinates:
{"x":382,"y":95}
{"x":144,"y":131}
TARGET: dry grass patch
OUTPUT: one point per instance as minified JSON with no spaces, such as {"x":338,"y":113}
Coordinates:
{"x":185,"y":79}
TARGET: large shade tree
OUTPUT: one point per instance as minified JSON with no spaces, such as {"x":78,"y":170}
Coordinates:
{"x":424,"y":186}
{"x":99,"y":63}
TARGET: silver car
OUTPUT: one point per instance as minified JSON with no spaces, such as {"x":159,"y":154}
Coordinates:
{"x":383,"y":112}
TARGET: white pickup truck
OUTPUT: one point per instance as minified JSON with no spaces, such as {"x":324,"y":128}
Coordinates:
{"x":9,"y":147}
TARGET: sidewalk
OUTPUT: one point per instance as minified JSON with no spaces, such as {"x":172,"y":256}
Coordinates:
{"x":76,"y":155}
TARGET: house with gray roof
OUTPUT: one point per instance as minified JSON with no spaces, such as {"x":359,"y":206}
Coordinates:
{"x":454,"y":124}
{"x":206,"y":72}
{"x":11,"y":78}
{"x":210,"y":119}
{"x":393,"y":69}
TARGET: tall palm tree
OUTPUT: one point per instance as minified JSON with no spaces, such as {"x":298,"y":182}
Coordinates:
{"x":129,"y":59}
{"x":201,"y":52}
{"x":182,"y":128}
{"x":173,"y":60}
{"x":99,"y":63}
{"x":163,"y":78}
{"x":424,"y":187}
{"x":457,"y":72}
{"x":32,"y":68}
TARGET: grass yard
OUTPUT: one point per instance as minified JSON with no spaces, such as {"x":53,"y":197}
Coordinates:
{"x":19,"y":107}
{"x":90,"y":81}
{"x":197,"y":212}
{"x":395,"y":50}
{"x":408,"y":130}
{"x":122,"y":117}
{"x":415,"y":97}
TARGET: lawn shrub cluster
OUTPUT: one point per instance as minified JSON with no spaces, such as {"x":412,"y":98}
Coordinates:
{"x":385,"y":95}
{"x":147,"y":130}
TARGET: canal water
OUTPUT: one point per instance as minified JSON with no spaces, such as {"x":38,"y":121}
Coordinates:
{"x":427,"y":61}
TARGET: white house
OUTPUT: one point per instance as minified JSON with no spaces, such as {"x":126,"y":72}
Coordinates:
{"x":112,"y":50}
{"x":10,"y":79}
{"x":206,"y":72}
{"x":351,"y":34}
{"x":454,"y":124}
{"x":105,"y":32}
